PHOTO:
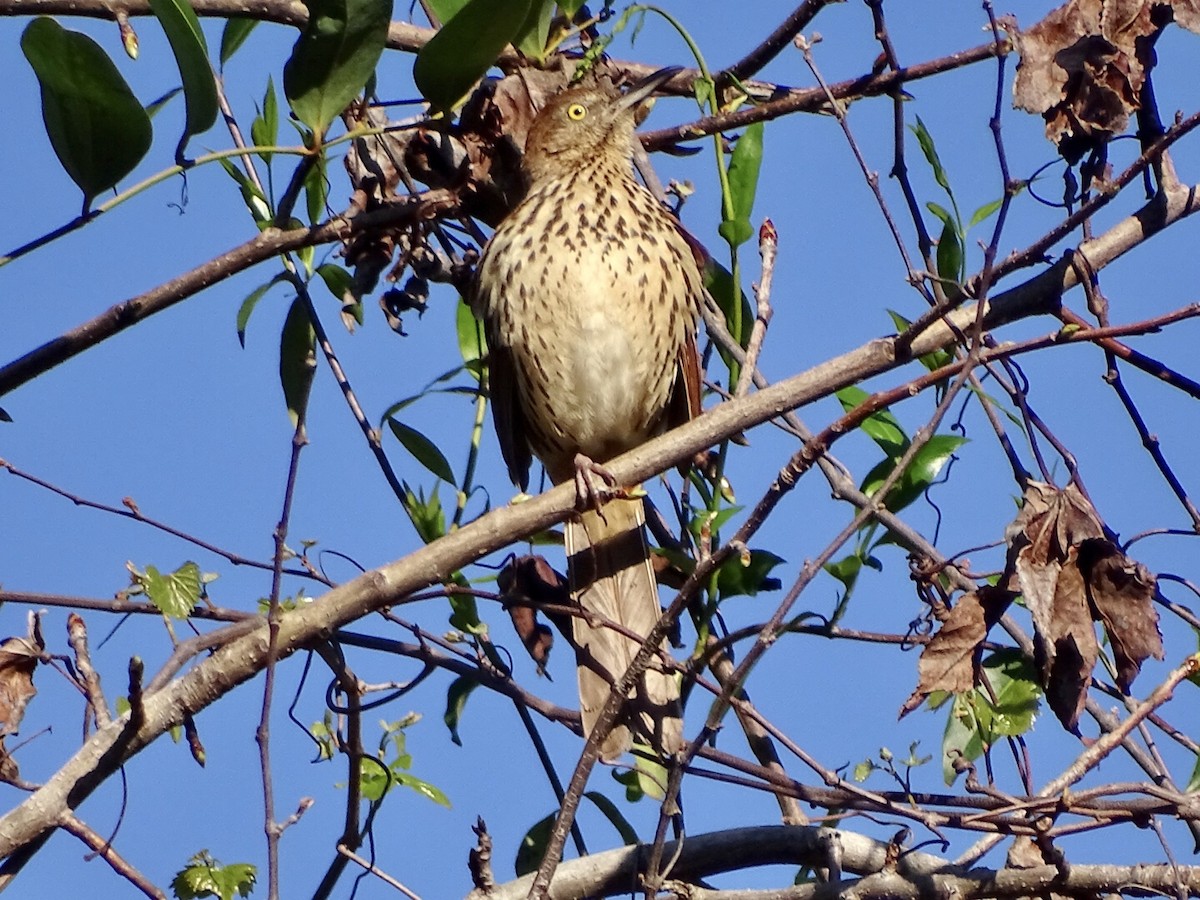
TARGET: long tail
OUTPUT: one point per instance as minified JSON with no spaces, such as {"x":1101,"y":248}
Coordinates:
{"x":609,"y":565}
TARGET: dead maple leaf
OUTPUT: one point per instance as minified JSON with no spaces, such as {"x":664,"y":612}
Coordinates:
{"x":950,"y":661}
{"x":1084,"y":65}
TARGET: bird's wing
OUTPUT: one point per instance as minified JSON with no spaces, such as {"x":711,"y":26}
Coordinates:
{"x":506,"y":412}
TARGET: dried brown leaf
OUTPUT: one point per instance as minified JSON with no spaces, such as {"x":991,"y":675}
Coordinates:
{"x":1121,"y":592}
{"x":1065,"y":647}
{"x":950,"y":661}
{"x":1083,"y":67}
{"x":19,"y":657}
{"x":525,"y":582}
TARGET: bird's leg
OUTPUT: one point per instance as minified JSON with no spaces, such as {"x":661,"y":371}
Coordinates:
{"x":594,"y":485}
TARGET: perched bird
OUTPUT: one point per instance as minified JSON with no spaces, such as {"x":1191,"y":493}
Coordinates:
{"x":590,"y":295}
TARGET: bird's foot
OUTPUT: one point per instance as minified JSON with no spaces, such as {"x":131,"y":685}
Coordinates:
{"x":594,"y":485}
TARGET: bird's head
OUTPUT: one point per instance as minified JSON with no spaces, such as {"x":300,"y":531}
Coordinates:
{"x":585,"y":126}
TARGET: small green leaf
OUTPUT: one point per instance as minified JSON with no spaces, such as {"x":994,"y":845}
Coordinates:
{"x":950,"y":254}
{"x":471,"y":342}
{"x":96,"y":125}
{"x":334,"y":57}
{"x":297,"y":360}
{"x":975,"y":722}
{"x":182,"y":27}
{"x":466,"y":47}
{"x":233,"y":36}
{"x":647,"y":778}
{"x":570,"y":7}
{"x":464,"y":614}
{"x":984,"y":212}
{"x":247,"y":307}
{"x":154,"y":107}
{"x":264,"y":130}
{"x":628,"y":835}
{"x":427,"y":516}
{"x":205,"y":877}
{"x":456,"y":701}
{"x":880,"y":426}
{"x":175,"y":594}
{"x":719,"y":282}
{"x":256,"y":203}
{"x":863,"y":770}
{"x":533,"y":846}
{"x":925,"y":139}
{"x":424,"y":788}
{"x":943,"y":214}
{"x":316,"y":187}
{"x":737,"y":578}
{"x":846,"y":569}
{"x":933,"y":360}
{"x":919,"y":475}
{"x":744,"y":166}
{"x":423,"y":450}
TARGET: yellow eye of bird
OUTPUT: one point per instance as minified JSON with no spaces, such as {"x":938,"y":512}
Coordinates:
{"x":576,"y":112}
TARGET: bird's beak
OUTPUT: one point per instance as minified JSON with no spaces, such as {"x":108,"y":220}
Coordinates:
{"x":647,"y":86}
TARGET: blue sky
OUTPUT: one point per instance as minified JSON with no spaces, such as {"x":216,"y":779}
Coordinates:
{"x":175,"y":414}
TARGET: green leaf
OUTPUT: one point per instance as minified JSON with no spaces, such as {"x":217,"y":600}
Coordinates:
{"x":744,"y":167}
{"x":533,"y":846}
{"x":175,"y":594}
{"x":334,"y":57}
{"x":933,"y":360}
{"x":204,"y":876}
{"x":533,"y":35}
{"x":737,"y":578}
{"x":647,"y":778}
{"x":880,"y":426}
{"x":944,"y":215}
{"x":570,"y":7}
{"x":427,"y":516}
{"x":424,"y":788}
{"x":233,"y":36}
{"x":96,"y":125}
{"x":423,"y":450}
{"x":297,"y":360}
{"x":472,"y":344}
{"x":247,"y":307}
{"x":984,"y":212}
{"x":863,"y":770}
{"x":456,"y":701}
{"x":182,"y":27}
{"x":628,"y":835}
{"x":264,"y":130}
{"x":919,"y":475}
{"x":464,"y":614}
{"x":846,"y":569}
{"x":154,"y":107}
{"x":719,"y":282}
{"x":445,"y":10}
{"x":315,"y":189}
{"x":256,"y":202}
{"x":950,"y":253}
{"x":465,"y":48}
{"x":975,"y":722}
{"x":925,"y":139}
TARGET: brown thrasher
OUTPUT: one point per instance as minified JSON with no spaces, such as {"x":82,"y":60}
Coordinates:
{"x":590,"y":295}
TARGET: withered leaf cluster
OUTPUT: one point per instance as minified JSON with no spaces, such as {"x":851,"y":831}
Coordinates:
{"x":1083,"y":67}
{"x":19,"y":658}
{"x":1071,"y":576}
